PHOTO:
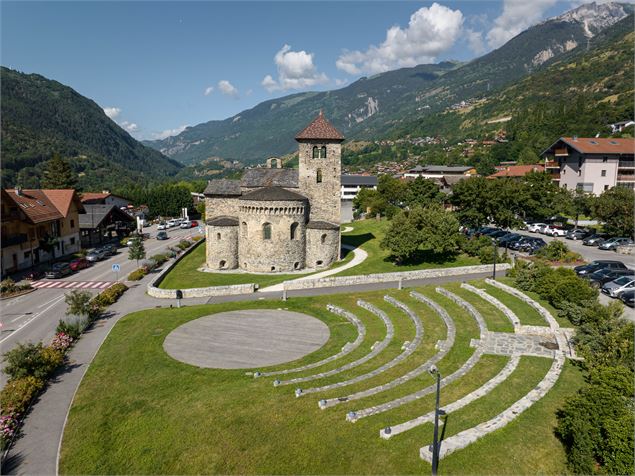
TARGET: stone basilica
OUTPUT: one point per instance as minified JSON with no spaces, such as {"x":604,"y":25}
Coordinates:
{"x":279,"y":220}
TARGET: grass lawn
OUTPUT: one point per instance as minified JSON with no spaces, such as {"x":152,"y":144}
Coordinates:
{"x":368,"y":234}
{"x":138,"y":411}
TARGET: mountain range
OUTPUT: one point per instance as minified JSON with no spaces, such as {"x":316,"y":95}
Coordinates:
{"x":389,"y":102}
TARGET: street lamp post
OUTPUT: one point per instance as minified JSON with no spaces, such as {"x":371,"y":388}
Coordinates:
{"x":495,"y":256}
{"x":435,"y":441}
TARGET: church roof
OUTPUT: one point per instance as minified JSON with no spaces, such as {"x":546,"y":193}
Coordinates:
{"x":223,"y":187}
{"x":273,"y":194}
{"x":320,"y":128}
{"x":223,"y":221}
{"x":287,"y":178}
{"x":322,"y":225}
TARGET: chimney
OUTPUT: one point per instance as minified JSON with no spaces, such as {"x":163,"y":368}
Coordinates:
{"x":575,"y":138}
{"x":105,"y":191}
{"x":18,"y":191}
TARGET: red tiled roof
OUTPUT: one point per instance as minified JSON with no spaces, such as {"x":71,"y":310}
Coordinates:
{"x":37,"y":207}
{"x":62,"y":200}
{"x":598,"y":145}
{"x":320,"y":128}
{"x":90,"y":196}
{"x":517,"y":171}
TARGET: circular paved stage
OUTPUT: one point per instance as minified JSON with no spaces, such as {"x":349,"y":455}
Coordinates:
{"x":246,"y":339}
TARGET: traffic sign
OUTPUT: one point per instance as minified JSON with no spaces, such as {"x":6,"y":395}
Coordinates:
{"x":116,"y":268}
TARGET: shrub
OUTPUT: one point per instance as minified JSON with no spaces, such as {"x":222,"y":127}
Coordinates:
{"x":9,"y":427}
{"x":18,"y":393}
{"x":27,"y":360}
{"x":481,"y":247}
{"x":171,"y":253}
{"x":159,"y":259}
{"x":148,"y":265}
{"x":558,"y":251}
{"x":7,"y":286}
{"x":62,"y":341}
{"x":124,"y":241}
{"x":70,"y":329}
{"x":137,"y":274}
{"x":197,"y":238}
{"x":110,"y":295}
{"x":184,"y":244}
{"x":53,"y":358}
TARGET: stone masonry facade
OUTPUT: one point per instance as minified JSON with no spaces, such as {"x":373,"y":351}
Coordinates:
{"x":279,"y":220}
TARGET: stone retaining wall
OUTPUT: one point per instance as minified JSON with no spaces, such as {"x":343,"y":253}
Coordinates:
{"x":156,"y":292}
{"x":390,"y":277}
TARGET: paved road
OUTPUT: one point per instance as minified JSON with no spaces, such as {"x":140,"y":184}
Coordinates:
{"x":33,"y":317}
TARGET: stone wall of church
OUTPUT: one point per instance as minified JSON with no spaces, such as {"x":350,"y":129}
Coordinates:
{"x":221,"y":244}
{"x":322,"y":247}
{"x":282,"y":252}
{"x":220,"y":206}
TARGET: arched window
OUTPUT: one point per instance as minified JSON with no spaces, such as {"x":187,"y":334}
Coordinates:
{"x":323,"y":152}
{"x":218,"y":236}
{"x":266,"y":231}
{"x":316,"y":152}
{"x":294,"y":231}
{"x":323,"y":238}
{"x":244,"y":229}
{"x":318,"y":176}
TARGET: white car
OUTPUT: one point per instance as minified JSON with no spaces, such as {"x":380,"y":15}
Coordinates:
{"x":162,"y":226}
{"x":535,"y":227}
{"x":186,"y":224}
{"x":554,"y":230}
{"x":171,"y":223}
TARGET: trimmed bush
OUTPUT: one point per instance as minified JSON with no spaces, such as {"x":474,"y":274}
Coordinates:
{"x":110,"y":295}
{"x":197,"y":238}
{"x":30,"y":360}
{"x":7,"y":286}
{"x":159,"y":259}
{"x":18,"y":393}
{"x":184,"y":244}
{"x":137,"y":274}
{"x":62,"y":342}
{"x":70,"y":329}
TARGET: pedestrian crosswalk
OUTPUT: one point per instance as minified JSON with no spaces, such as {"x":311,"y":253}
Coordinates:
{"x":58,"y":284}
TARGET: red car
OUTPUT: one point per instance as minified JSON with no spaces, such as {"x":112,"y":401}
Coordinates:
{"x":194,"y":223}
{"x":79,"y":263}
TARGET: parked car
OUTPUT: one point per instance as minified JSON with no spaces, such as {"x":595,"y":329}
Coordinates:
{"x":488,"y":230}
{"x":162,"y":235}
{"x":109,"y":249}
{"x":194,"y":223}
{"x":186,"y":224}
{"x":555,"y":230}
{"x":162,"y":225}
{"x":595,"y":239}
{"x":578,"y":234}
{"x":628,"y":298}
{"x":79,"y":263}
{"x":593,"y":266}
{"x":534,"y":245}
{"x":613,"y":243}
{"x":508,"y":239}
{"x":33,"y":275}
{"x":602,"y":276}
{"x":96,"y":255}
{"x":171,"y":223}
{"x":618,"y":286}
{"x":58,"y":270}
{"x":535,"y":227}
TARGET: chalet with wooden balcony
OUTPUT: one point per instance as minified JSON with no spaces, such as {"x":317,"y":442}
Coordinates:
{"x":38,"y":225}
{"x":593,"y":164}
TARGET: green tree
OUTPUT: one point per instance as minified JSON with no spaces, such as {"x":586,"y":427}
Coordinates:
{"x":402,"y":238}
{"x":438,"y":229}
{"x":471,"y":198}
{"x":528,"y":156}
{"x":506,"y":202}
{"x":541,"y":197}
{"x":371,"y":201}
{"x":393,"y":190}
{"x":58,"y":174}
{"x":80,"y":305}
{"x":137,"y":250}
{"x":422,"y":192}
{"x":48,"y":243}
{"x":615,"y":209}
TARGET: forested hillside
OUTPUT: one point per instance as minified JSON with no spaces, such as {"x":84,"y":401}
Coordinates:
{"x":41,"y":117}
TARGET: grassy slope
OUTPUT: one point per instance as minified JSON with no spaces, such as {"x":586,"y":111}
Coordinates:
{"x":139,"y":411}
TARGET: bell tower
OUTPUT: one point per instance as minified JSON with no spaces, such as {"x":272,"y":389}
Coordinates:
{"x":320,"y":168}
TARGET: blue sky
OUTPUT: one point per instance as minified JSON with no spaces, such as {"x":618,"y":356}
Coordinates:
{"x":159,"y":66}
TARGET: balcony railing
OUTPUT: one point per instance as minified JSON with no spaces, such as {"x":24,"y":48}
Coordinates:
{"x":561,"y":152}
{"x":14,"y":240}
{"x":626,"y":178}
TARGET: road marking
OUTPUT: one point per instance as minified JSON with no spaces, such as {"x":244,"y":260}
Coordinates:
{"x":35,"y":316}
{"x":72,"y":284}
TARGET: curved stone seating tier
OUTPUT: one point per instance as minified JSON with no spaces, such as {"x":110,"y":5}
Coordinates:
{"x":375,"y":349}
{"x":513,"y":318}
{"x":443,"y":346}
{"x":563,"y":343}
{"x":409,"y":348}
{"x":482,"y":327}
{"x":456,"y":405}
{"x":347,"y":349}
{"x":469,"y":436}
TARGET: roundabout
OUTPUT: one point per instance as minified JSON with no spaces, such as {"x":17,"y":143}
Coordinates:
{"x":246,"y":339}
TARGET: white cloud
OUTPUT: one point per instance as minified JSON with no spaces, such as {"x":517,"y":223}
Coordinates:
{"x":227,"y":88}
{"x":517,"y":16}
{"x":295,"y":71}
{"x":112,"y":112}
{"x":340,"y":82}
{"x":475,"y":41}
{"x":430,"y":31}
{"x":169,"y":132}
{"x":208,"y":90}
{"x":129,"y":126}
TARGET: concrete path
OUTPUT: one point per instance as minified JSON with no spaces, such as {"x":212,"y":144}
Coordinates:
{"x":246,"y":339}
{"x":359,"y":255}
